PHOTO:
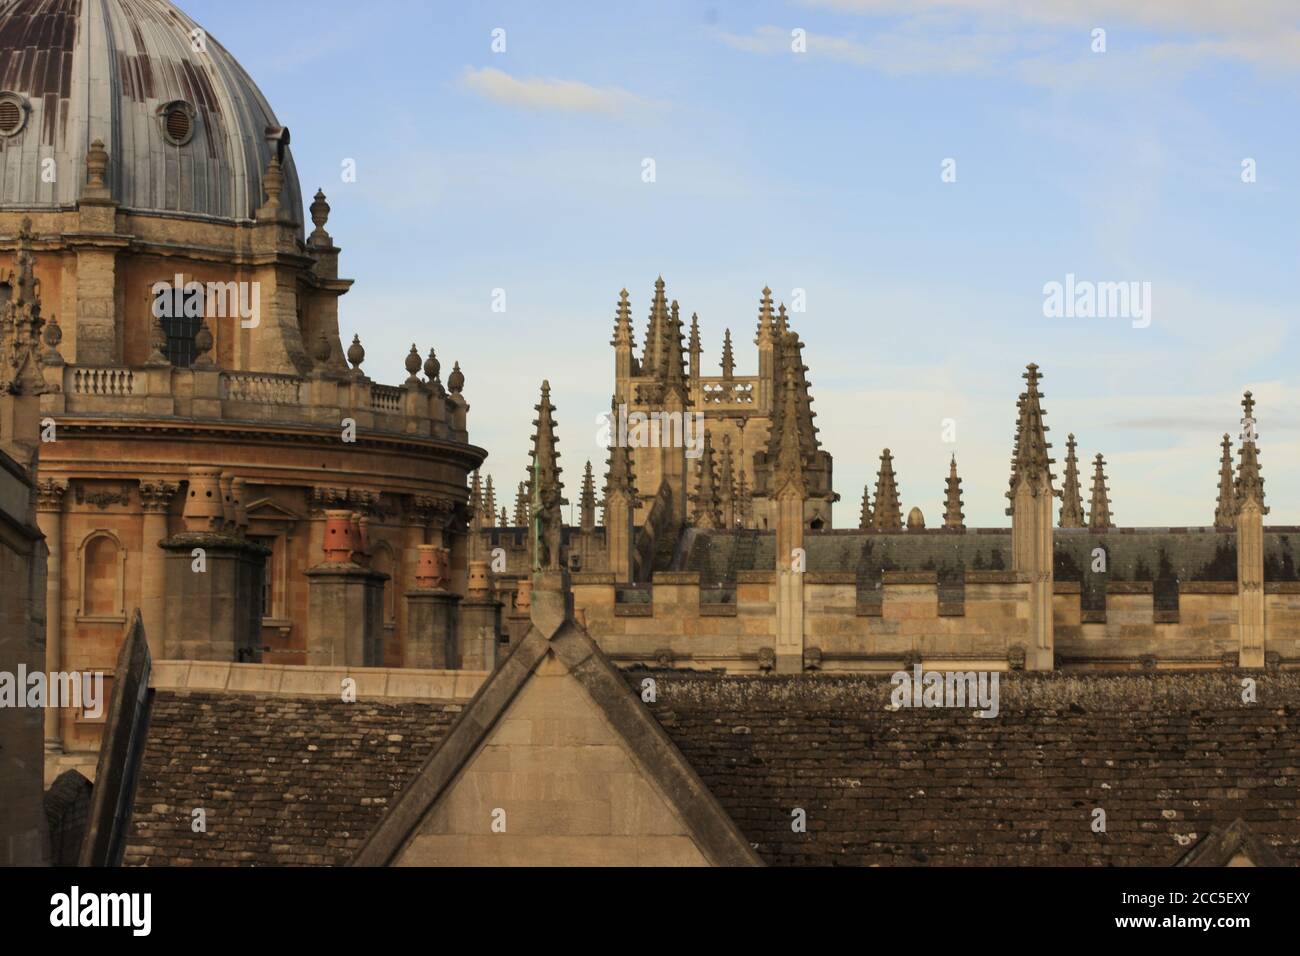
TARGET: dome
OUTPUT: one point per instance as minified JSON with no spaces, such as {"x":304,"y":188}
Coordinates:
{"x":187,"y":131}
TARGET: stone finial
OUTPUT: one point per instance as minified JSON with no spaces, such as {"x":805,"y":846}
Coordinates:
{"x":503,"y":519}
{"x":654,"y":355}
{"x":52,"y":336}
{"x":1030,"y":461}
{"x":320,"y":214}
{"x":674,"y":357}
{"x":1225,"y":511}
{"x":432,"y":368}
{"x":708,"y":510}
{"x":203,"y":343}
{"x":915,"y":520}
{"x":587,"y":500}
{"x":356,"y":354}
{"x":157,"y":344}
{"x":547,"y":488}
{"x":1249,"y":486}
{"x":1099,"y":518}
{"x":1071,"y":492}
{"x":866,"y":518}
{"x":96,"y":187}
{"x":456,"y":380}
{"x":273,"y":184}
{"x":728,"y":356}
{"x":953,"y":517}
{"x":413,"y":366}
{"x":782,"y":322}
{"x":888,"y":514}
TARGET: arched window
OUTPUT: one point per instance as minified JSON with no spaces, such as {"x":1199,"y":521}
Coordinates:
{"x":181,"y":311}
{"x":103,"y":562}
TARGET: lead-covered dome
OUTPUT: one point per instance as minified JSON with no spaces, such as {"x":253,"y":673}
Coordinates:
{"x":187,"y":131}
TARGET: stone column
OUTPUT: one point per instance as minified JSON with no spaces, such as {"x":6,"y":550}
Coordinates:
{"x":155,"y":502}
{"x":49,"y":518}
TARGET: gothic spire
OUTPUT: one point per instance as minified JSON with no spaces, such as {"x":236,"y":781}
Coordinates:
{"x":547,"y":489}
{"x":1099,"y":518}
{"x":766,"y":324}
{"x":789,"y":440}
{"x":744,"y":501}
{"x":695,"y":347}
{"x":953,"y":518}
{"x":727,"y":484}
{"x":489,"y":504}
{"x":475,"y":500}
{"x":708,"y":512}
{"x":865,"y":517}
{"x":888,"y":515}
{"x":1250,"y":483}
{"x":1225,"y":511}
{"x":728,"y":357}
{"x":623,"y":322}
{"x":587,"y":501}
{"x":522,"y":497}
{"x":1030,"y":461}
{"x":1071,"y":493}
{"x":653,"y":355}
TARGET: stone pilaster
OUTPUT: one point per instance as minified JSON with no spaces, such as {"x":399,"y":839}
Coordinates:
{"x":50,"y":493}
{"x":155,"y":503}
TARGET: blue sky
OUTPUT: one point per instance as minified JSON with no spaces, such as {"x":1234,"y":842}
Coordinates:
{"x":821,"y":171}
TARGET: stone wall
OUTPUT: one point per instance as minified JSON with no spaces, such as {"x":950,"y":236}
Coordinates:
{"x":23,"y":831}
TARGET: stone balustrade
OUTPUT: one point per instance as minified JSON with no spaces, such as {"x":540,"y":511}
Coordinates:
{"x":162,"y":391}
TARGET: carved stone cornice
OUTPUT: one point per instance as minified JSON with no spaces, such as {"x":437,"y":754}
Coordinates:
{"x":156,"y":496}
{"x":50,"y":493}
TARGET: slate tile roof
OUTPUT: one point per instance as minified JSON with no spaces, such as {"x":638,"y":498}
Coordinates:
{"x":282,"y":780}
{"x":1166,"y":755}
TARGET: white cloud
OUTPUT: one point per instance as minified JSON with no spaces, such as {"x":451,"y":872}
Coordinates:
{"x":538,"y":93}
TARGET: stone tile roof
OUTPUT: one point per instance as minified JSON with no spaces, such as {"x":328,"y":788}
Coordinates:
{"x":1168,"y":756}
{"x":283,"y":780}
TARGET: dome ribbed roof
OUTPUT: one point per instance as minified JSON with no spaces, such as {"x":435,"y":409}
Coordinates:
{"x":81,"y":70}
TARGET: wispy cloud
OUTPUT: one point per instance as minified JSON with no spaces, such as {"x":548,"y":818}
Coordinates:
{"x":545,"y":93}
{"x":1036,"y":40}
{"x":901,"y":52}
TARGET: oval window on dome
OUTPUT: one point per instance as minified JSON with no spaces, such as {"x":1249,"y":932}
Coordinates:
{"x":177,"y":122}
{"x":13,"y":113}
